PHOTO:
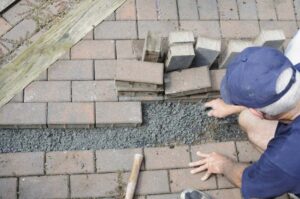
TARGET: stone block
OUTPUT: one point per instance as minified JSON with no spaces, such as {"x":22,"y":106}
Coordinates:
{"x":152,"y":47}
{"x":105,"y":69}
{"x":20,"y":164}
{"x":71,"y":70}
{"x":112,"y":160}
{"x":146,"y":9}
{"x":289,"y":27}
{"x":23,"y":115}
{"x":188,"y":9}
{"x":179,"y":57}
{"x":167,"y":10}
{"x":187,"y":82}
{"x":69,"y":162}
{"x":216,"y":77}
{"x":5,"y":3}
{"x":118,"y":114}
{"x":89,"y":91}
{"x":68,"y":115}
{"x":18,"y":12}
{"x":129,"y":49}
{"x":228,"y":10}
{"x":247,"y":9}
{"x":140,"y":72}
{"x":8,"y":188}
{"x":208,"y":9}
{"x":181,"y":37}
{"x":207,"y":50}
{"x":44,"y":187}
{"x":161,"y":27}
{"x":138,"y":87}
{"x":233,"y":48}
{"x":266,"y":10}
{"x":48,"y":91}
{"x":270,"y":38}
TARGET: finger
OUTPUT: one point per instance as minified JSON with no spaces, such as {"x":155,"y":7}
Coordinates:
{"x":204,"y":155}
{"x":199,"y":169}
{"x":206,"y":176}
{"x":198,"y":163}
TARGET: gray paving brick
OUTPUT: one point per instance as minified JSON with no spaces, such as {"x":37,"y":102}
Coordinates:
{"x":285,"y":9}
{"x":208,"y":9}
{"x":105,"y":69}
{"x":143,"y":72}
{"x":68,"y":115}
{"x":19,"y":97}
{"x":228,"y":10}
{"x":216,"y":78}
{"x":297,"y":8}
{"x":289,"y":27}
{"x":127,"y":11}
{"x":270,"y":38}
{"x":71,"y":70}
{"x":129,"y":49}
{"x":29,"y":115}
{"x":48,"y":91}
{"x":224,"y":183}
{"x":188,"y":9}
{"x":118,"y":114}
{"x":167,"y":10}
{"x":179,"y":57}
{"x":113,"y":160}
{"x":161,"y":27}
{"x":146,"y":9}
{"x":152,"y":47}
{"x":69,"y":162}
{"x":20,"y":164}
{"x":116,"y":30}
{"x":239,"y":29}
{"x":247,"y":9}
{"x":43,"y":187}
{"x":266,"y":10}
{"x":94,"y":49}
{"x":5,"y":3}
{"x":18,"y":12}
{"x":187,"y":82}
{"x":8,"y":188}
{"x":167,"y":158}
{"x":87,"y":91}
{"x":181,"y":37}
{"x":209,"y":29}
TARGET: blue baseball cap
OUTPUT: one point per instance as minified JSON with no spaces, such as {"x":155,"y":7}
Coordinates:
{"x":251,"y":77}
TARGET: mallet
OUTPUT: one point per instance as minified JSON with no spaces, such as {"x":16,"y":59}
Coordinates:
{"x":137,"y":162}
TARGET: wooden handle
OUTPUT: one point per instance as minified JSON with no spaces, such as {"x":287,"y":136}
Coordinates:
{"x":137,"y":162}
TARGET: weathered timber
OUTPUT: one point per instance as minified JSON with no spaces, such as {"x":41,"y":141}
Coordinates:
{"x":26,"y":67}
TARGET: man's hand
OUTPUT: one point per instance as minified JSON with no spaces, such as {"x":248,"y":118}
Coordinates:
{"x":212,"y":163}
{"x":220,"y":109}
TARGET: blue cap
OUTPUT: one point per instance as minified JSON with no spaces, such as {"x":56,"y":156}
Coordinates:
{"x":251,"y":77}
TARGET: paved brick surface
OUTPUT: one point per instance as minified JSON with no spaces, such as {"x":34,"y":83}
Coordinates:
{"x":70,"y":162}
{"x":43,"y":187}
{"x":167,"y":158}
{"x":118,"y":114}
{"x":239,"y":29}
{"x":297,"y":9}
{"x":284,"y":9}
{"x":48,"y":91}
{"x":225,"y":194}
{"x":153,"y":182}
{"x":167,"y":10}
{"x":116,"y":30}
{"x":179,"y":181}
{"x":71,"y":70}
{"x":30,"y":115}
{"x":146,"y":9}
{"x":223,"y":183}
{"x":216,"y":78}
{"x":209,"y":29}
{"x":208,"y":9}
{"x":289,"y":27}
{"x":162,"y":27}
{"x":8,"y":188}
{"x":19,"y":164}
{"x":68,"y":115}
{"x":94,"y":49}
{"x":105,"y":69}
{"x":247,"y":9}
{"x":228,"y":10}
{"x":115,"y":160}
{"x":247,"y":152}
{"x":163,"y":196}
{"x":127,"y":11}
{"x":188,"y":9}
{"x":17,"y":12}
{"x":266,"y":10}
{"x":87,"y":91}
{"x":129,"y":49}
{"x":4,"y":26}
{"x":95,"y":185}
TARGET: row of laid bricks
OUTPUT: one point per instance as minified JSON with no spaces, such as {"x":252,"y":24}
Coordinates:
{"x":189,"y":10}
{"x":97,"y":174}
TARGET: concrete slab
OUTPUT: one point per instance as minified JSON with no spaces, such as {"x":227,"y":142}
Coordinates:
{"x":270,"y":38}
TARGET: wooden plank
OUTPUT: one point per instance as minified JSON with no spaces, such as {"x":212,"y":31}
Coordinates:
{"x":27,"y":66}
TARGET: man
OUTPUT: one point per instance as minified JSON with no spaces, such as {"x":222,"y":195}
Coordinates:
{"x":263,"y":87}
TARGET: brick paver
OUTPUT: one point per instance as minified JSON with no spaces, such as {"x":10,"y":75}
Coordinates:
{"x":285,"y":9}
{"x":162,"y":27}
{"x":71,"y":70}
{"x":116,"y":30}
{"x":94,"y":49}
{"x":225,"y":194}
{"x":167,"y":10}
{"x":48,"y":91}
{"x":239,"y":29}
{"x":70,"y":162}
{"x":127,"y":11}
{"x":87,"y":91}
{"x":247,"y":9}
{"x":228,"y":10}
{"x":209,"y":29}
{"x":71,"y":115}
{"x":167,"y":158}
{"x":44,"y":187}
{"x":208,"y":9}
{"x":247,"y":152}
{"x":8,"y":188}
{"x":289,"y":27}
{"x":4,"y":26}
{"x":115,"y":160}
{"x":105,"y":69}
{"x":146,"y":9}
{"x":20,"y":164}
{"x":129,"y":49}
{"x":188,"y":9}
{"x":266,"y":9}
{"x":163,"y":196}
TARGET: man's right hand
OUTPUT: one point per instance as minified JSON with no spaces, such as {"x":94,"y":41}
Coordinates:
{"x":220,"y":109}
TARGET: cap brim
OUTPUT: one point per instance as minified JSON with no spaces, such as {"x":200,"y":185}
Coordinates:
{"x":224,"y":92}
